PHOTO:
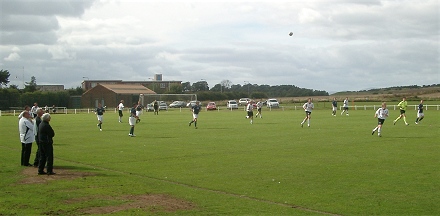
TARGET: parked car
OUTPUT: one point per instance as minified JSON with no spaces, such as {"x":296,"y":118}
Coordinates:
{"x":273,"y":103}
{"x":149,"y":108}
{"x":192,"y":103}
{"x":243,"y":101}
{"x":177,"y":104}
{"x":163,"y":106}
{"x":211,"y":106}
{"x":232,"y":104}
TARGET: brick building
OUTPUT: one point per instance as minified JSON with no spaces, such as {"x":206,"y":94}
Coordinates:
{"x":157,"y":86}
{"x":110,"y":94}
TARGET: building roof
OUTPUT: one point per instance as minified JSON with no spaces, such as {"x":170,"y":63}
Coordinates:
{"x":127,"y":89}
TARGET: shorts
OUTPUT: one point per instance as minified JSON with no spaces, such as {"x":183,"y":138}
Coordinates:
{"x":420,"y":115}
{"x":335,"y":108}
{"x":259,"y":110}
{"x":195,"y":116}
{"x":99,"y":118}
{"x":308,"y":113}
{"x":138,"y":113}
{"x":132,"y":120}
{"x":380,"y":121}
{"x":402,"y":112}
{"x":345,"y":108}
{"x":120,"y":113}
{"x":250,"y":113}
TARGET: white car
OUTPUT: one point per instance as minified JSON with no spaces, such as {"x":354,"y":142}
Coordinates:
{"x":163,"y":106}
{"x":232,"y":104}
{"x":192,"y":103}
{"x":273,"y":103}
{"x":244,"y":101}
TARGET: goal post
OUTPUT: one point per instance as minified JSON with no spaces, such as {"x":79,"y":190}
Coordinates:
{"x":149,"y":98}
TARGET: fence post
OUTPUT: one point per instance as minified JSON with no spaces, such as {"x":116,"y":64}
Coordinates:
{"x":365,"y":107}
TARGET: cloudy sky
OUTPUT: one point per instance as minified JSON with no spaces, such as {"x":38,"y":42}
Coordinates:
{"x":337,"y":44}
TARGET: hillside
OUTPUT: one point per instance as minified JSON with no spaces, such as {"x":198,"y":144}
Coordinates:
{"x":412,"y":93}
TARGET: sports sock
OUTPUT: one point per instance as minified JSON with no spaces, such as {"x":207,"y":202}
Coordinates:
{"x":379,"y":130}
{"x":404,"y":119}
{"x":308,"y":121}
{"x":417,"y":119}
{"x":100,"y":125}
{"x":375,"y":129}
{"x":195,"y":124}
{"x":421,"y":118}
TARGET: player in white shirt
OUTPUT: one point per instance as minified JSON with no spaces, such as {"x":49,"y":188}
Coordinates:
{"x":259,"y":106}
{"x":120,"y":108}
{"x":249,"y":110}
{"x":308,"y":107}
{"x":381,"y":114}
{"x":34,"y":110}
{"x":345,"y":107}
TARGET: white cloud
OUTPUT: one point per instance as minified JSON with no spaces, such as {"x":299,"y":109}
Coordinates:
{"x":12,"y":57}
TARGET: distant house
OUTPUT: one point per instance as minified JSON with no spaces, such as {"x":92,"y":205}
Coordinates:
{"x":110,"y":94}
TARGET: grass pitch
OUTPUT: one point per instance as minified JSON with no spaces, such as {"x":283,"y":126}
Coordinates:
{"x":228,"y":166}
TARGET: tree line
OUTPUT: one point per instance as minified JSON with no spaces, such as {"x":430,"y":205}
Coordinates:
{"x":12,"y":96}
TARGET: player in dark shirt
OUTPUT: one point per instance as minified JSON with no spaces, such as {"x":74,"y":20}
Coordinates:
{"x":99,"y":112}
{"x":195,"y":111}
{"x":334,"y":106}
{"x":138,"y":111}
{"x":420,"y":114}
{"x":156,"y":108}
{"x":132,"y":120}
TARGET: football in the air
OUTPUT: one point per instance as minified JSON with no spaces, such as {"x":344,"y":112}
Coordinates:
{"x":290,"y":33}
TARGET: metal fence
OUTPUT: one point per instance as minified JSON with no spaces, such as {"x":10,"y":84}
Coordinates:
{"x":64,"y":110}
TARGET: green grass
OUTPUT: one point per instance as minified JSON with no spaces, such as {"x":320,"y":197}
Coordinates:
{"x":230,"y":167}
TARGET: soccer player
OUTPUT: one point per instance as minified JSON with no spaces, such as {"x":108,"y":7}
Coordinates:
{"x":37,"y":122}
{"x":308,"y":107}
{"x":138,"y":111}
{"x":195,"y":111}
{"x":250,"y":112}
{"x":156,"y":108}
{"x":99,"y":112}
{"x":34,"y":110}
{"x":259,"y":106}
{"x":402,"y":106}
{"x":120,"y":108}
{"x":381,"y":114}
{"x":132,"y":120}
{"x":334,"y":107}
{"x":345,"y":107}
{"x":420,"y":114}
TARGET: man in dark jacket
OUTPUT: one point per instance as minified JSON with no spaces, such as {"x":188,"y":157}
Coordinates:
{"x":45,"y":136}
{"x":40,"y":113}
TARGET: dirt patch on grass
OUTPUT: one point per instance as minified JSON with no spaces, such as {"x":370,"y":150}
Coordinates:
{"x":32,"y":177}
{"x":147,"y":202}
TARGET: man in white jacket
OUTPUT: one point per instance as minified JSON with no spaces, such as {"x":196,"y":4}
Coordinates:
{"x":27,"y":137}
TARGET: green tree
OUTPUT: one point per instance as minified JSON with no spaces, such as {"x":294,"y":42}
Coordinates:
{"x":31,"y":86}
{"x":175,"y":89}
{"x":4,"y":77}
